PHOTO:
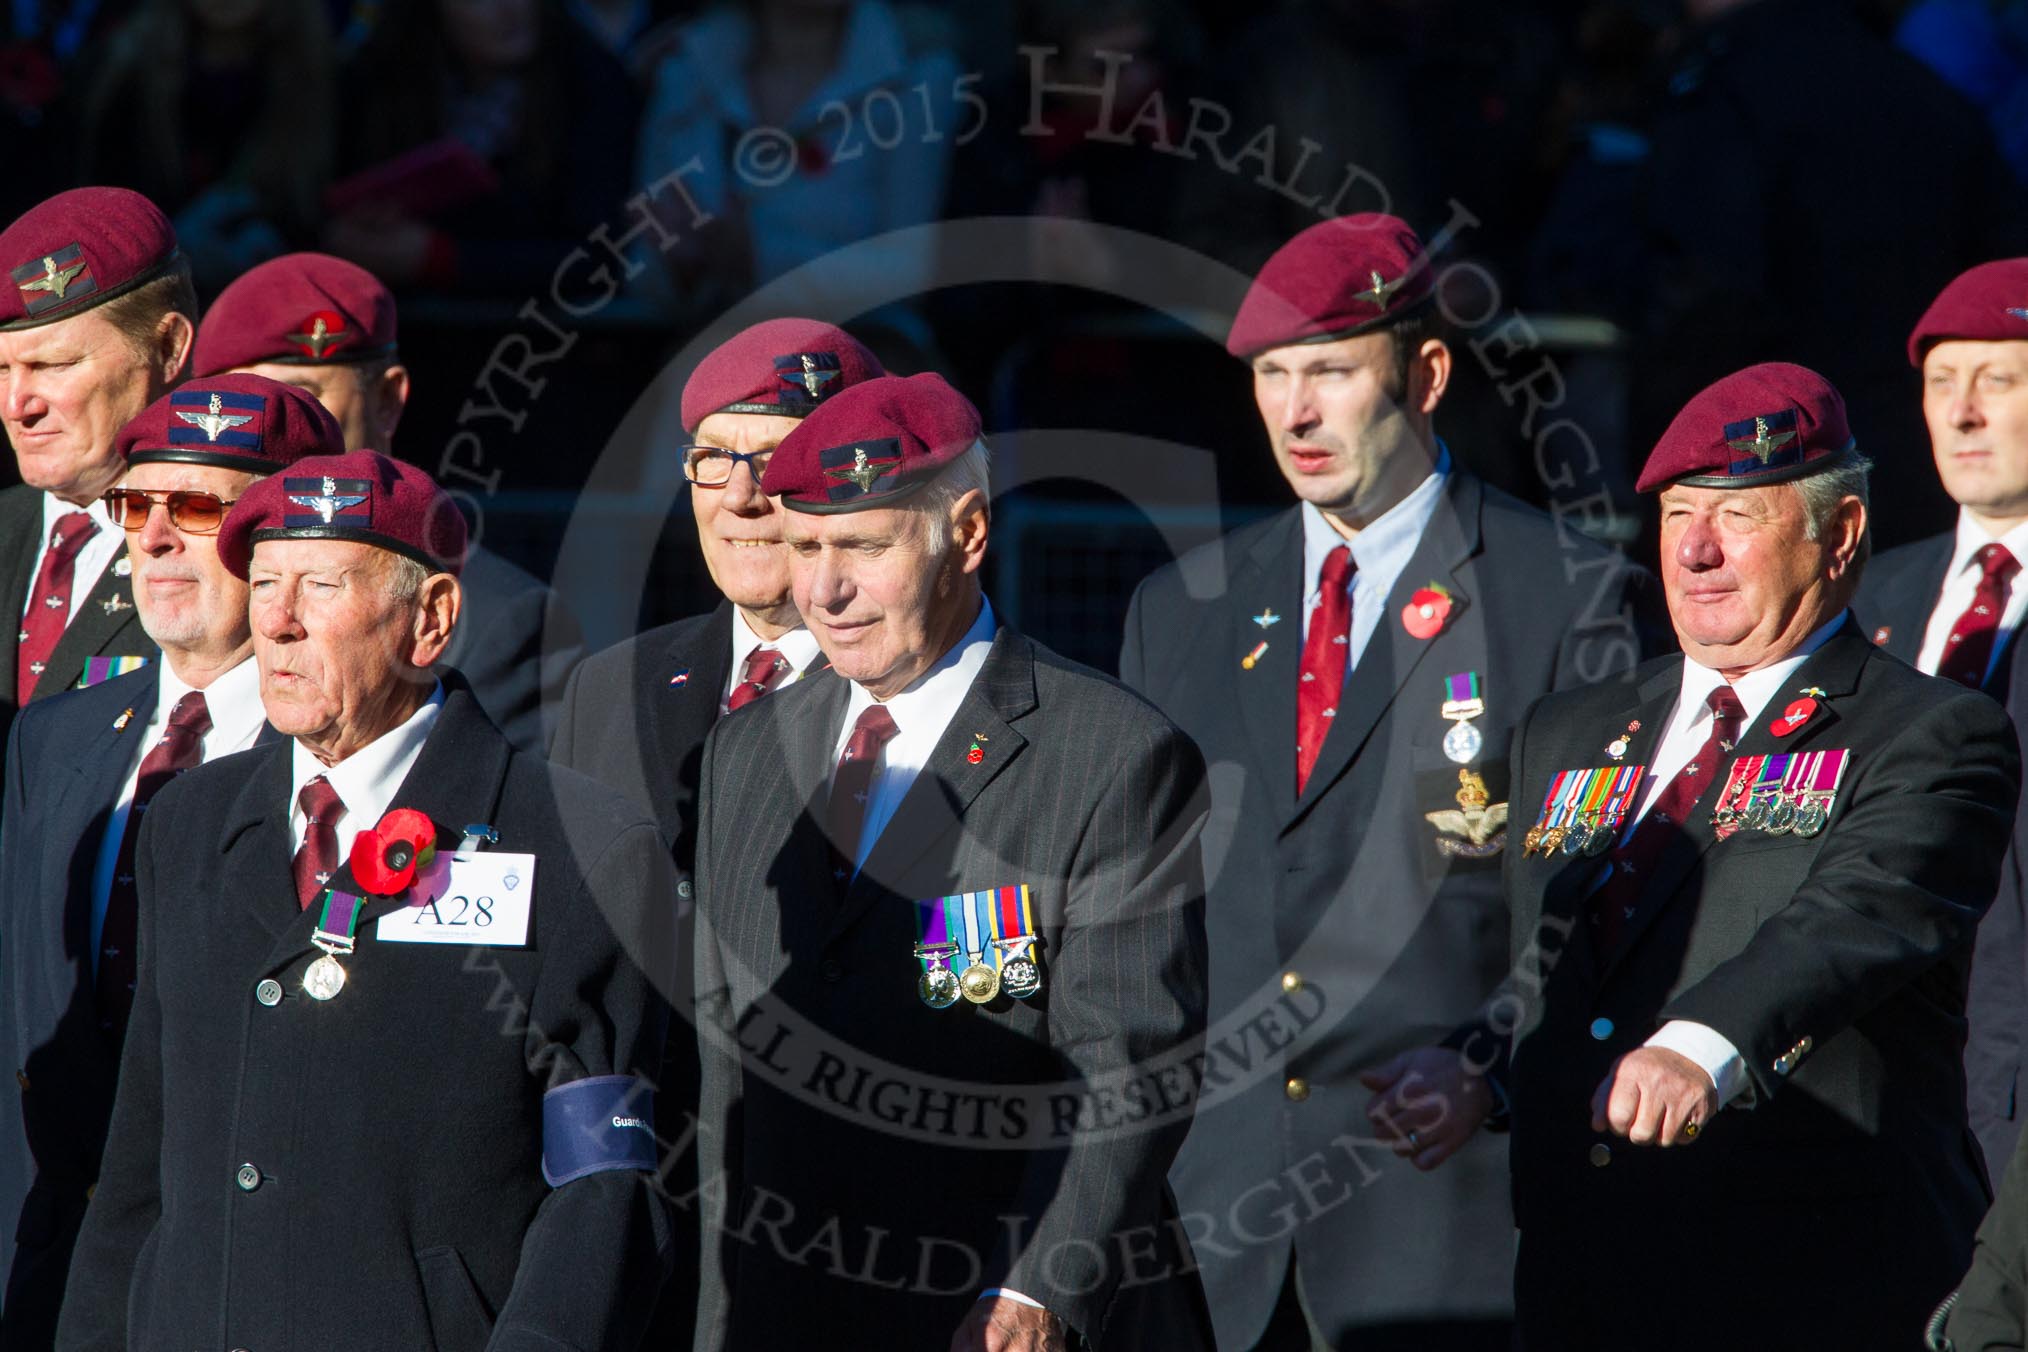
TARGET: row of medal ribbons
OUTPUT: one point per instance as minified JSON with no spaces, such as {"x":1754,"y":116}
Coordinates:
{"x":1781,"y":795}
{"x":1583,"y":810}
{"x":993,"y":930}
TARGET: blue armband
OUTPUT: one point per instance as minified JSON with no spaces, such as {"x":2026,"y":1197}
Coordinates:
{"x":595,"y":1124}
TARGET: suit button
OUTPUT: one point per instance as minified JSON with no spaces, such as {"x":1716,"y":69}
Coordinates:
{"x":1292,"y":982}
{"x":1297,"y":1088}
{"x":1601,"y":1155}
{"x":683,"y":889}
{"x":832,"y":970}
{"x":247,"y":1177}
{"x":1601,"y":1029}
{"x":269,"y":992}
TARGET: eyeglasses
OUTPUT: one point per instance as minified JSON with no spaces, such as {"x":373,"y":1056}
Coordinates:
{"x":194,"y":513}
{"x":712,"y":466}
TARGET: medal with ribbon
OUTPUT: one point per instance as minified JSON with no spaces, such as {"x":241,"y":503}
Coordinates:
{"x":995,"y":929}
{"x":1461,"y":705}
{"x":938,"y":985}
{"x":1819,"y":788}
{"x":335,"y":926}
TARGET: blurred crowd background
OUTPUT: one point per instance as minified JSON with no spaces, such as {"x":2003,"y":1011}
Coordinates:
{"x":1663,"y":190}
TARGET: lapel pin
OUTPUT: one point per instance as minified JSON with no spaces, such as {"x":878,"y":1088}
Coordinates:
{"x":113,"y":605}
{"x":1618,"y":746}
{"x":1267,"y":617}
{"x":1248,"y":661}
{"x":120,"y":723}
{"x":1881,"y":634}
{"x":1424,"y":615}
{"x":978,"y":751}
{"x":123,"y":567}
{"x":682,"y":677}
{"x":1793,"y":717}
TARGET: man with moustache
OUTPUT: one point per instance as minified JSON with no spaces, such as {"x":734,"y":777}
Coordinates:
{"x":635,"y":716}
{"x":379,"y":1084}
{"x":970,"y":866}
{"x":81,"y":771}
{"x":1737,"y":1093}
{"x":96,"y":319}
{"x":1353,"y":668}
{"x":329,"y":327}
{"x":1950,"y":605}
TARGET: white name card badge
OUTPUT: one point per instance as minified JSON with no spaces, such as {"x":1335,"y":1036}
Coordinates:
{"x":478,"y":898}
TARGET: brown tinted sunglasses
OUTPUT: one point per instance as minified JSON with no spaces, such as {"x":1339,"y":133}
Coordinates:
{"x":194,"y":513}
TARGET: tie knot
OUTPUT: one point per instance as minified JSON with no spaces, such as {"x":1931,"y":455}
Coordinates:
{"x":1724,"y":703}
{"x":320,"y":802}
{"x":193,"y":715}
{"x":1337,"y":569}
{"x":874,"y":728}
{"x":760,"y":664}
{"x":1996,"y":560}
{"x":71,"y":531}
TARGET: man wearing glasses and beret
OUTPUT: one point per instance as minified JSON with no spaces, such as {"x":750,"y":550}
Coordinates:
{"x":81,"y":770}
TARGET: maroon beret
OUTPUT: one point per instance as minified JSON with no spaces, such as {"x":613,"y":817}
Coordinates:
{"x":234,"y":422}
{"x":780,"y":366}
{"x":306,"y":309}
{"x":1764,"y":425}
{"x":79,"y":249}
{"x":1338,"y":278}
{"x":872,"y":446}
{"x":360,"y":495}
{"x":1989,"y":303}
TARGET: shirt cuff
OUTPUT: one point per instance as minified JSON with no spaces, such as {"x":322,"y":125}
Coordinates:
{"x":1710,"y":1049}
{"x":1011,"y":1294}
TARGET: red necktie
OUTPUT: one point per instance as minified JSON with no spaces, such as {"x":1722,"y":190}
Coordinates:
{"x":49,"y":601}
{"x":317,"y":859}
{"x":1969,"y":650}
{"x":764,"y":666}
{"x":1615,"y":902}
{"x":181,"y":747}
{"x":1323,"y":678}
{"x":845,"y":816}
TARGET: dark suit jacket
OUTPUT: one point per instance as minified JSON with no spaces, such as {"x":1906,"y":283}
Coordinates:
{"x":103,"y":623}
{"x":396,"y":1130}
{"x":515,"y":645}
{"x":915,"y":1156}
{"x":1899,"y":593}
{"x":1836,"y":964}
{"x":66,"y":762}
{"x":625,"y":725}
{"x":1345,"y":894}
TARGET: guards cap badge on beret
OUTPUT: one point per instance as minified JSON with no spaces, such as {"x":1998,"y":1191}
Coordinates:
{"x":1764,"y":425}
{"x":243,"y":422}
{"x":360,"y":495}
{"x":873,"y":446}
{"x":1988,"y":303}
{"x":79,"y":249}
{"x":1345,"y":276}
{"x":302,"y":309}
{"x":780,"y":366}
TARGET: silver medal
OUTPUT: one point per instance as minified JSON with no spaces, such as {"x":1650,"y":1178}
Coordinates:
{"x":1462,"y":743}
{"x":938,"y":988}
{"x":324,"y":979}
{"x":1021,"y":978}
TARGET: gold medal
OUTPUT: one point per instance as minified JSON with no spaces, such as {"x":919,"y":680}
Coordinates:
{"x":979,"y":983}
{"x":324,"y":978}
{"x":1530,"y":841}
{"x":1552,"y":839}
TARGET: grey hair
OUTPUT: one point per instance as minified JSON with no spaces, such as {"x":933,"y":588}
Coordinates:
{"x":971,"y":470}
{"x":1843,"y":476}
{"x":405,"y":579}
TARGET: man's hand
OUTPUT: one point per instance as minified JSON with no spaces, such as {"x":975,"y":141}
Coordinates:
{"x":1427,"y":1103}
{"x":1655,"y":1097}
{"x":997,"y":1324}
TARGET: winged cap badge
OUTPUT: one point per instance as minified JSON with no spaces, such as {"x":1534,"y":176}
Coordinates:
{"x":1762,"y":443}
{"x":328,"y":503}
{"x":1382,"y":291}
{"x":317,"y":336}
{"x":863,"y":471}
{"x":54,"y":279}
{"x":1475,"y":820}
{"x":814,"y":380}
{"x":214,"y":419}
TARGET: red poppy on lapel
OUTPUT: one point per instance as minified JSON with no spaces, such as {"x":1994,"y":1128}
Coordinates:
{"x":1426,"y":611}
{"x":385,"y":859}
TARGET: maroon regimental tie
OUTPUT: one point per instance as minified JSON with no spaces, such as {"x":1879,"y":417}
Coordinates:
{"x":764,"y":670}
{"x":317,"y":859}
{"x":851,"y":785}
{"x":1969,"y":649}
{"x":181,"y":747}
{"x":49,"y":601}
{"x":1323,"y":677}
{"x":1616,"y":901}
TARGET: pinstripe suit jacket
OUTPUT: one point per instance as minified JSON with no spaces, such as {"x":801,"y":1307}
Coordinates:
{"x":884,"y":1161}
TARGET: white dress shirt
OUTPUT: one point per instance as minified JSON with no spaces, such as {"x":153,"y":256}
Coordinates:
{"x":1682,"y":737}
{"x":366,"y":780}
{"x":798,"y":647}
{"x":233,"y":700}
{"x":1961,"y":581}
{"x":91,"y":560}
{"x":1379,"y":553}
{"x":920,"y":713}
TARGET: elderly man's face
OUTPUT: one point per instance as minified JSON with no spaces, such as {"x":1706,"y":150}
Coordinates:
{"x":343,"y":658}
{"x":187,"y":600}
{"x":366,"y":401}
{"x":1744,"y":585}
{"x":66,"y":389}
{"x":883,"y":602}
{"x":1343,"y":435}
{"x":1975,"y":399}
{"x":738,"y":526}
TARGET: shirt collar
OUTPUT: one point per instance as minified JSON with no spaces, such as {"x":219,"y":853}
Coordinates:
{"x":55,"y":508}
{"x":943,"y":686}
{"x":233,"y":699}
{"x":1382,"y":550}
{"x":368,"y":779}
{"x":1972,"y":537}
{"x":799,"y":646}
{"x":1756,"y":688}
